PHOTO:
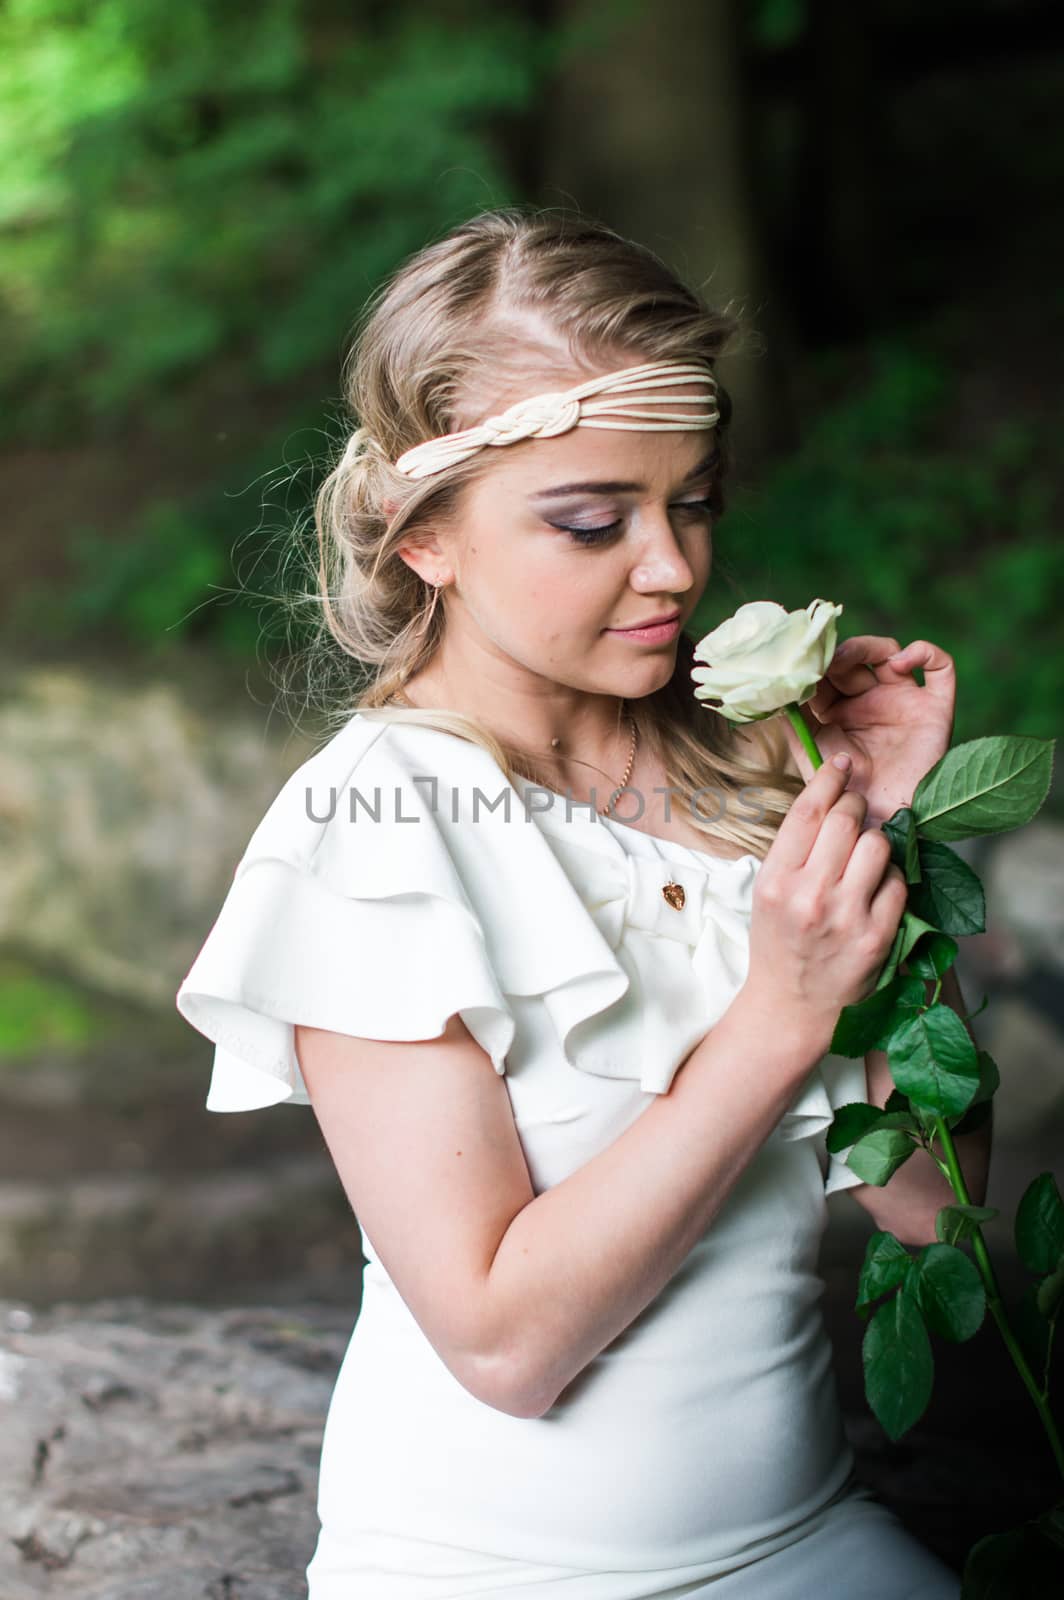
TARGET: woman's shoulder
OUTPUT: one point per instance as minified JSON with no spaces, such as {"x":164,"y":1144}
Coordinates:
{"x":350,"y":868}
{"x":376,"y":789}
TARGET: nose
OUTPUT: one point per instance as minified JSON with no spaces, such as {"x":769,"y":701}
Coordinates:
{"x":662,"y":565}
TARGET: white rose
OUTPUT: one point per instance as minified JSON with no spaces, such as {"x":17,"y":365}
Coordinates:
{"x":764,"y":658}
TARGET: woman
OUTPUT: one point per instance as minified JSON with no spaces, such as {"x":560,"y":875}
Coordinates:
{"x":566,"y":1053}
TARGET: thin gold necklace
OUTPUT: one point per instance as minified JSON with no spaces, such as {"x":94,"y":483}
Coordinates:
{"x":399,"y":698}
{"x":604,"y":811}
{"x":672,"y":891}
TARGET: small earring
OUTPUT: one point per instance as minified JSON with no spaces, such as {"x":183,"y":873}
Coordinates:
{"x":555,"y":743}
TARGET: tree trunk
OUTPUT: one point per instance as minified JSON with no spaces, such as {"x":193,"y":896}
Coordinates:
{"x":646,"y":132}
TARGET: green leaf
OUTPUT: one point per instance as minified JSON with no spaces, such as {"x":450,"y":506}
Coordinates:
{"x":900,"y":829}
{"x":1032,"y":1328}
{"x":863,"y":1026}
{"x":886,"y":1264}
{"x":927,"y":1117}
{"x":899,"y":1368}
{"x":1022,"y":1564}
{"x":984,"y":786}
{"x":973,"y":1119}
{"x":896,"y":1101}
{"x":898,"y":1119}
{"x":910,"y":998}
{"x":933,"y":1061}
{"x":910,"y":928}
{"x":1050,"y":1296}
{"x":949,"y":1291}
{"x":956,"y":1222}
{"x":979,"y":1111}
{"x":877,"y":1156}
{"x":849,"y":1123}
{"x":933,"y":955}
{"x":989,"y":1077}
{"x":1051,"y":1523}
{"x":949,"y":895}
{"x":990,"y":1570}
{"x":1040,"y":1225}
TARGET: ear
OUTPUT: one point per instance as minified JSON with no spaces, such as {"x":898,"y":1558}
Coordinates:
{"x":428,"y":559}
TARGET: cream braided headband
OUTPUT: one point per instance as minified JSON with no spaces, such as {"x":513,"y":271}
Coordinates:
{"x":545,"y":415}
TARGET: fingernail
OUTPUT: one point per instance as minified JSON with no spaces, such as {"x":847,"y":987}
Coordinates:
{"x":842,"y":762}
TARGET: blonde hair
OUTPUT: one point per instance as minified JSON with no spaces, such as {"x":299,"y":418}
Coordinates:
{"x":435,"y":343}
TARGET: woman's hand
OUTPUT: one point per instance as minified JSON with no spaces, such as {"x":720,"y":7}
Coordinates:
{"x":827,"y":903}
{"x":872,"y":708}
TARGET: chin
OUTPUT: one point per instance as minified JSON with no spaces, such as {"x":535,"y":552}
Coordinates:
{"x":655,"y":676}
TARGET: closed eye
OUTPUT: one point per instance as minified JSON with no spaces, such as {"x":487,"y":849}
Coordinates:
{"x":699,"y":509}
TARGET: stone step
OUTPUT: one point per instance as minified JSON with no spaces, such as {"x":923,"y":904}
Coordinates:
{"x":172,"y":1235}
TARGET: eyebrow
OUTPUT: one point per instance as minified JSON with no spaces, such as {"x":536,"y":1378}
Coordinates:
{"x":619,"y":486}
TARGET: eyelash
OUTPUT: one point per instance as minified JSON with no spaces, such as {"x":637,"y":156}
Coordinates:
{"x":593,"y":536}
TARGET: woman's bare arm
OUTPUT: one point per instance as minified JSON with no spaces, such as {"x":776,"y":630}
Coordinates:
{"x":581,"y":1262}
{"x":518,"y":1292}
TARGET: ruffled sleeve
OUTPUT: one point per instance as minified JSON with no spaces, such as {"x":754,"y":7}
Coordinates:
{"x":360,"y":926}
{"x":835,"y":1081}
{"x":398,"y":879}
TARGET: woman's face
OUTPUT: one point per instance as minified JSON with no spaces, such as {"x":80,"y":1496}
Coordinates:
{"x":563,"y":541}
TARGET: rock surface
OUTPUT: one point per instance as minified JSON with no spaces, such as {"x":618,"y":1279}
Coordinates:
{"x":123,"y":813}
{"x":170,"y":1452}
{"x":162,"y":1452}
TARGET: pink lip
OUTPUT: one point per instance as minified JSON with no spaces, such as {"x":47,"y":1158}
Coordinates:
{"x":651,"y":633}
{"x":648,"y":622}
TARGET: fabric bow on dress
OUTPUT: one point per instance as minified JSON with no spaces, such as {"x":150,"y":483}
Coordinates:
{"x":684,"y":967}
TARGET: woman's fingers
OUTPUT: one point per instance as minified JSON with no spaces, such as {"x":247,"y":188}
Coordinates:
{"x":798,"y":831}
{"x":869,"y":865}
{"x":839,"y":832}
{"x":890,"y":898}
{"x":857,"y":663}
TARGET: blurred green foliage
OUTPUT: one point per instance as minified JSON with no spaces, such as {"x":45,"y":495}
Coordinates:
{"x":882,"y":510}
{"x":183,"y":184}
{"x":38,"y":1012}
{"x":167,"y":578}
{"x":878,"y":509}
{"x":194,"y":204}
{"x":776,"y":23}
{"x":187,"y":194}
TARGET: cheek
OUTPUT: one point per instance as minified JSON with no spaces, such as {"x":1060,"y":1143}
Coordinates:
{"x":566,"y":583}
{"x":540,"y":591}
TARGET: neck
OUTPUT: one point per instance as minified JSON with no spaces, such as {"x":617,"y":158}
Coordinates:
{"x":593,"y":731}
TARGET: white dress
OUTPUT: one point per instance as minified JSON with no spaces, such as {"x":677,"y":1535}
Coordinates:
{"x":398,"y":878}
